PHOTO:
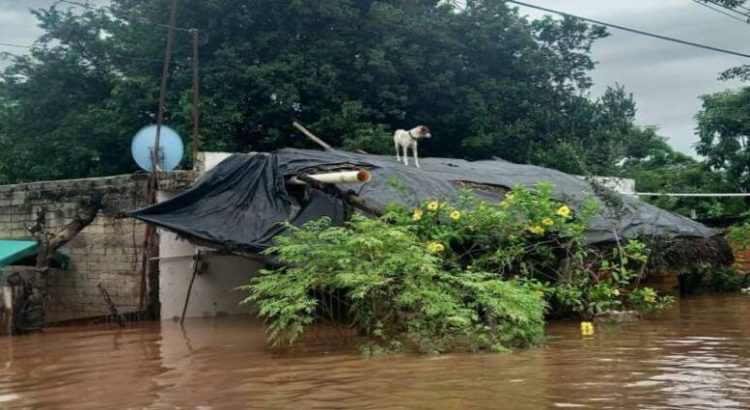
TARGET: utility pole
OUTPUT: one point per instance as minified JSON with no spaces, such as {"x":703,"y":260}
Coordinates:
{"x":163,"y":85}
{"x":150,"y":275}
{"x":196,"y":97}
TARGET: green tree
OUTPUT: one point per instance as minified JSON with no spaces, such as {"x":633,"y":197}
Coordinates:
{"x":661,"y":169}
{"x":724,"y":129}
{"x":487,"y":81}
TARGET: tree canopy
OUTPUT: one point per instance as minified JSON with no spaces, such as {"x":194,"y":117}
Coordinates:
{"x":724,"y":130}
{"x":486,"y":80}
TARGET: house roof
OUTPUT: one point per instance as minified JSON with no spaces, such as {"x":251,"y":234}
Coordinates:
{"x":240,"y":203}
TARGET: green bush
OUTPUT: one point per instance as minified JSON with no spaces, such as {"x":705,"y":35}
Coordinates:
{"x":444,"y":277}
{"x":397,"y":291}
{"x":531,"y":238}
{"x":739,"y":236}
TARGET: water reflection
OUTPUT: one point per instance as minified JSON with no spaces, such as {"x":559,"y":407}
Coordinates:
{"x":695,"y":357}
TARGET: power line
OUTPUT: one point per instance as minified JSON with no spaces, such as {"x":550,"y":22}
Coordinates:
{"x":632,"y":30}
{"x":732,"y":9}
{"x":739,"y":6}
{"x":110,"y":55}
{"x":15,"y":45}
{"x":707,"y":5}
{"x":111,"y":10}
{"x":5,"y":55}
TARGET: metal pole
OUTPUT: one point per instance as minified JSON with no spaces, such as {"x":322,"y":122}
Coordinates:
{"x":196,"y":267}
{"x":196,"y":96}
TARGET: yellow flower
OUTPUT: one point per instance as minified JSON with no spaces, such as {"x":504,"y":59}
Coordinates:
{"x":417,"y":215}
{"x":507,"y":200}
{"x":587,"y":328}
{"x":536,"y":230}
{"x":616,"y":292}
{"x":435,"y":247}
{"x":433,"y":206}
{"x":563,"y":211}
{"x":548,"y":221}
{"x":455,"y":215}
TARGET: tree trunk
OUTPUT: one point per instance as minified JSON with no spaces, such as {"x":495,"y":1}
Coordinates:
{"x":30,"y":317}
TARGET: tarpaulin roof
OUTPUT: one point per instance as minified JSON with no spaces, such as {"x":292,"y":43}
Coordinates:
{"x":239,"y":204}
{"x":13,"y":251}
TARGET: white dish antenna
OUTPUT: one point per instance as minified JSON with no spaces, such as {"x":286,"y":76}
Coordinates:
{"x":171,"y":148}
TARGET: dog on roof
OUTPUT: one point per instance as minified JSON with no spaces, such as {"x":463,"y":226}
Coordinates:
{"x":403,"y":140}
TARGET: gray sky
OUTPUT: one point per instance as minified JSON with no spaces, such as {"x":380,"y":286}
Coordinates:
{"x":665,"y":78}
{"x":17,"y":25}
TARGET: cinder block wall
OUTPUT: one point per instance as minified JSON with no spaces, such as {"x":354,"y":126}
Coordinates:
{"x":108,"y":251}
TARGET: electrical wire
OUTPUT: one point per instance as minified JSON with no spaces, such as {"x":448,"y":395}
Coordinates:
{"x":111,"y":10}
{"x":632,"y":30}
{"x":706,"y":5}
{"x":14,"y":45}
{"x":110,"y":55}
{"x":729,"y":9}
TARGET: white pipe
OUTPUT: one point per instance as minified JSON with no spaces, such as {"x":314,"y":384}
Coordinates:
{"x":344,"y":177}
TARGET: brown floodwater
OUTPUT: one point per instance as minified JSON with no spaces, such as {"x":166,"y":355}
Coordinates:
{"x":695,"y":356}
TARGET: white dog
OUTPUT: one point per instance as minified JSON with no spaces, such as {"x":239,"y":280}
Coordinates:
{"x":408,"y":139}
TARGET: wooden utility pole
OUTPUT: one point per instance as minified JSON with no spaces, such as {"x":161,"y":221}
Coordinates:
{"x":196,"y":96}
{"x":148,"y":275}
{"x":163,"y":85}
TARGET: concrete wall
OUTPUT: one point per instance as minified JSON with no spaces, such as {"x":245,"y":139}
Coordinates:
{"x":213,"y":291}
{"x":624,"y":186}
{"x":108,"y":251}
{"x":209,"y":160}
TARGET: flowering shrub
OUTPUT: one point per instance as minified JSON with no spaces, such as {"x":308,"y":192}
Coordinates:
{"x":397,"y":291}
{"x":475,"y":275}
{"x":533,"y":239}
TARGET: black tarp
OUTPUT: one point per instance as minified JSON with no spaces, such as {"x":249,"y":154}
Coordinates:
{"x":239,"y":204}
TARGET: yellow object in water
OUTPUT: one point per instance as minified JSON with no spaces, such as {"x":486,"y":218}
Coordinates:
{"x":587,"y":328}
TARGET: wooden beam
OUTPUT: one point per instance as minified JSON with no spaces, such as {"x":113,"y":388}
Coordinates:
{"x":310,"y":135}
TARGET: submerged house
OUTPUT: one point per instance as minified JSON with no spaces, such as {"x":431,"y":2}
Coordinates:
{"x":216,"y":226}
{"x":238,"y":206}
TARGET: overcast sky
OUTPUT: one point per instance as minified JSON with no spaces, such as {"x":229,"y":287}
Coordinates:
{"x":665,"y":78}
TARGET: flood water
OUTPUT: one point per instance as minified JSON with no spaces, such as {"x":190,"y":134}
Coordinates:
{"x":696,"y":356}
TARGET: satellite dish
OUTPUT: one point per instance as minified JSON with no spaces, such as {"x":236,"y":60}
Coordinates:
{"x":170,"y":148}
